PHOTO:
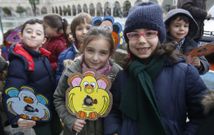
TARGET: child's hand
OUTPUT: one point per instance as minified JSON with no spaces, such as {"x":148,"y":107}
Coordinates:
{"x":26,"y":123}
{"x":78,"y":125}
{"x":196,"y":62}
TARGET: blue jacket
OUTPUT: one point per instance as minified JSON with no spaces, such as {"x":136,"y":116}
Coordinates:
{"x":21,"y":72}
{"x":69,"y":53}
{"x":178,"y":89}
{"x":189,"y":45}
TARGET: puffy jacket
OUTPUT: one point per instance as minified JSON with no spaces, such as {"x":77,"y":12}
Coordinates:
{"x":178,"y":90}
{"x":55,"y":45}
{"x":69,"y":53}
{"x":30,"y":68}
{"x":186,"y":46}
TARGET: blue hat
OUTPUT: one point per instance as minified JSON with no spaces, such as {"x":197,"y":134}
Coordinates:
{"x":117,"y":27}
{"x":96,"y":21}
{"x":109,"y":18}
{"x":146,"y":15}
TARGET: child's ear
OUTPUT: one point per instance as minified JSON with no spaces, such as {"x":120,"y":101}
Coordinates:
{"x":20,"y":35}
{"x":45,"y":39}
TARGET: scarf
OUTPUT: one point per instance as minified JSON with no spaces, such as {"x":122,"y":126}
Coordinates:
{"x":138,"y":100}
{"x":105,"y":70}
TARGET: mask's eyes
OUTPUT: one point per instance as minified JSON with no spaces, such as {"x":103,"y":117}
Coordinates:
{"x":93,"y":84}
{"x":85,"y":83}
{"x":108,"y":28}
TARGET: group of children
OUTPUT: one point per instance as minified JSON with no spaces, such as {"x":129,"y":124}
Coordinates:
{"x":157,"y":90}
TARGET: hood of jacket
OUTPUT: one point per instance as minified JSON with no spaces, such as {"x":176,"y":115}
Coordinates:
{"x":193,"y":26}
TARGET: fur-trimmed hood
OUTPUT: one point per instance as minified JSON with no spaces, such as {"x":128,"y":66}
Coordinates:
{"x":208,"y":102}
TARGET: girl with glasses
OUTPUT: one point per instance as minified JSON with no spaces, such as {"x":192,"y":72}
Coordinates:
{"x":157,"y":91}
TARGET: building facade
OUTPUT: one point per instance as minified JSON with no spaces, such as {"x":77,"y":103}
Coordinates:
{"x":117,"y":8}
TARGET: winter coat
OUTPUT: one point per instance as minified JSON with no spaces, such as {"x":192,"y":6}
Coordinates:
{"x":186,"y":44}
{"x":55,"y":45}
{"x":69,"y":53}
{"x":198,"y":10}
{"x":35,"y":73}
{"x":178,"y":89}
{"x":207,"y":124}
{"x":189,"y":45}
{"x":91,"y":127}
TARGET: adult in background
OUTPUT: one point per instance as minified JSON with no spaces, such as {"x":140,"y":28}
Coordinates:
{"x":197,"y":8}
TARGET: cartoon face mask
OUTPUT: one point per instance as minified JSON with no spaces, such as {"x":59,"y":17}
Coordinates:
{"x":88,"y":96}
{"x":27,"y":105}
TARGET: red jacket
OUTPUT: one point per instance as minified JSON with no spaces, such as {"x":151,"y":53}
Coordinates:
{"x":55,"y":45}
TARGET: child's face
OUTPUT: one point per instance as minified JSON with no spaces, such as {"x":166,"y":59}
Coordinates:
{"x":49,"y":31}
{"x":33,"y":36}
{"x":178,"y":29}
{"x":143,"y":42}
{"x":81,"y":30}
{"x":96,"y":53}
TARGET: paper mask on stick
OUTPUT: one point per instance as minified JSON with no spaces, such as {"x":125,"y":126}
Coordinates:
{"x":27,"y":105}
{"x":88,"y":97}
{"x":202,"y":50}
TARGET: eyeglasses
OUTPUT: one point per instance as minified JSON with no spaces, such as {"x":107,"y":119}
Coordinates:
{"x":147,"y":35}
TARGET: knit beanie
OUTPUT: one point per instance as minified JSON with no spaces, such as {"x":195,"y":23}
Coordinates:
{"x":147,"y":15}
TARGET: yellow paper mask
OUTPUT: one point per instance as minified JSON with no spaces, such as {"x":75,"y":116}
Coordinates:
{"x":88,"y":97}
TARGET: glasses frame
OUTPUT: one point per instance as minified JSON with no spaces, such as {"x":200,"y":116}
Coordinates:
{"x":139,"y":34}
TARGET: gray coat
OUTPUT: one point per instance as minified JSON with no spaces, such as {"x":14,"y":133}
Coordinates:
{"x":92,"y":127}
